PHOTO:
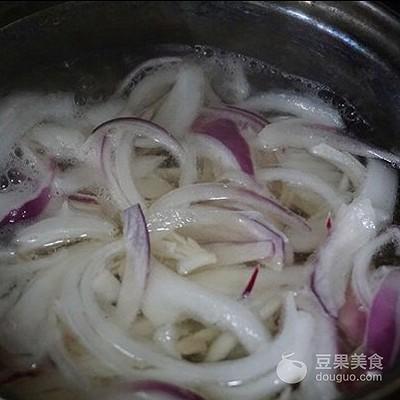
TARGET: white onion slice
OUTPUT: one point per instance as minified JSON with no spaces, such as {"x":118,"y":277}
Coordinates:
{"x":301,"y":133}
{"x":211,"y":149}
{"x":143,"y":69}
{"x":189,"y":194}
{"x":230,"y":280}
{"x":138,"y":128}
{"x":184,"y":102}
{"x":125,"y":351}
{"x":342,"y":160}
{"x":380,"y":186}
{"x":234,"y":253}
{"x":64,"y":229}
{"x":312,"y":109}
{"x":230,"y":81}
{"x":302,"y":180}
{"x":151,"y":89}
{"x":137,"y":265}
{"x":160,"y":306}
{"x":354,"y":226}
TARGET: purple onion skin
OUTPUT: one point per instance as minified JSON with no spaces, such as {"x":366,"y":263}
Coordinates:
{"x":251,"y":283}
{"x":352,"y":319}
{"x":383,"y":326}
{"x":227,"y":132}
{"x":31,"y":209}
{"x":158,"y":387}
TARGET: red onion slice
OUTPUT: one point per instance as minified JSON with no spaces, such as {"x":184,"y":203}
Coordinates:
{"x":250,"y":284}
{"x":13,"y":210}
{"x":352,"y":318}
{"x":169,"y":390}
{"x":226,"y":131}
{"x":83,"y":198}
{"x":116,"y":139}
{"x":249,"y":123}
{"x":136,"y":272}
{"x":28,"y":210}
{"x":140,"y":128}
{"x":383,"y":326}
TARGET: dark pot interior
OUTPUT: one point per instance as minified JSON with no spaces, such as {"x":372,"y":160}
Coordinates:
{"x":351,"y":48}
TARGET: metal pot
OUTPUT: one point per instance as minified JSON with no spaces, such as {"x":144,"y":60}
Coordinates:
{"x":352,"y":48}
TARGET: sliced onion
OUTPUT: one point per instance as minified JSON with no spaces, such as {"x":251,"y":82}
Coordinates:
{"x":302,"y":160}
{"x":97,"y":113}
{"x":29,"y":209}
{"x":184,"y":102}
{"x":144,"y":69}
{"x":25,"y":329}
{"x":267,"y":386}
{"x":74,"y":181}
{"x":137,"y":265}
{"x":383,"y":326}
{"x":247,"y":122}
{"x":312,"y":109}
{"x":300,"y":133}
{"x":226,"y":132}
{"x":13,"y":209}
{"x":380,"y":186}
{"x":235,"y":253}
{"x":152,"y":88}
{"x":238,"y":179}
{"x":147,"y":129}
{"x":364,"y":278}
{"x":355,"y":225}
{"x":218,"y":229}
{"x":212,"y":149}
{"x":343,"y":161}
{"x":352,"y":319}
{"x":302,"y":180}
{"x":83,"y":198}
{"x":167,"y":390}
{"x":219,"y":192}
{"x":125,"y":131}
{"x":64,"y":229}
{"x":323,"y":341}
{"x":209,"y":225}
{"x":121,"y":352}
{"x":230,"y":280}
{"x":160,"y":307}
{"x":230,"y":80}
